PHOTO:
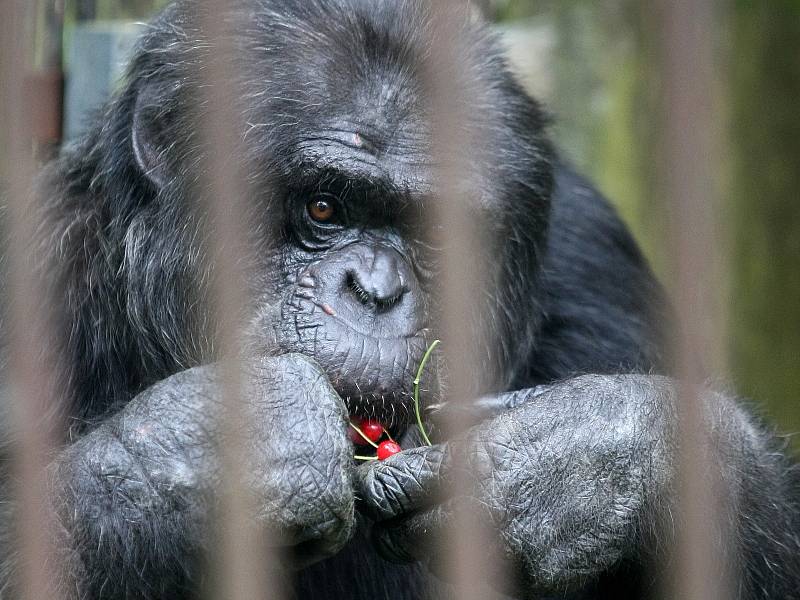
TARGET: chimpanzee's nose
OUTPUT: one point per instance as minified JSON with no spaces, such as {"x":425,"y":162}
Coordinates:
{"x":379,"y":280}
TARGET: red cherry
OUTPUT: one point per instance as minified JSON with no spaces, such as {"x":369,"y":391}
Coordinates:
{"x":355,"y":437}
{"x":388,"y":448}
{"x":372,"y":429}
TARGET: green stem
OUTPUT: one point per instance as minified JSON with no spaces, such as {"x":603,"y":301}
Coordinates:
{"x":358,"y":457}
{"x":425,"y":358}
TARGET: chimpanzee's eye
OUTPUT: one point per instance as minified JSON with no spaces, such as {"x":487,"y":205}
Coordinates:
{"x":321,"y":211}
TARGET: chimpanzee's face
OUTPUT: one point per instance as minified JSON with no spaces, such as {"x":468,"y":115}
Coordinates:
{"x":337,"y":123}
{"x":353,"y":176}
{"x":358,"y":262}
{"x":356,"y":293}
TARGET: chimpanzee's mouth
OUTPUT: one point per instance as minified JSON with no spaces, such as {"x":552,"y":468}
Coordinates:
{"x":393,"y":410}
{"x":377,"y":420}
{"x":374,"y":375}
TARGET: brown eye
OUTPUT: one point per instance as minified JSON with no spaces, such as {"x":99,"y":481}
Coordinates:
{"x":320,"y":210}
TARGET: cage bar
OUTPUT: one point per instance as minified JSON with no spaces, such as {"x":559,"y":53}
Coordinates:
{"x":467,"y":564}
{"x":245,"y":563}
{"x":702,"y":554}
{"x":31,"y":324}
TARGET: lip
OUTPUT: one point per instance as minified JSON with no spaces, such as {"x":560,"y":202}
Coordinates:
{"x":374,"y":375}
{"x":386,"y":394}
{"x":419,"y":333}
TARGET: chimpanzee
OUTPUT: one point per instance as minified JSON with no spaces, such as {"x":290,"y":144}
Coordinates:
{"x":574,"y":445}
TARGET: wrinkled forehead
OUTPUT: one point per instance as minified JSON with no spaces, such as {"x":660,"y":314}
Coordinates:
{"x":347,"y":98}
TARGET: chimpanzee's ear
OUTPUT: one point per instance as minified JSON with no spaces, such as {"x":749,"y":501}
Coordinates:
{"x":150,"y":132}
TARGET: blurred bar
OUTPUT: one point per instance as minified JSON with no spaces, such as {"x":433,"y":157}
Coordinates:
{"x":701,"y":565}
{"x":242,"y":561}
{"x":44,"y":84}
{"x":30,"y":323}
{"x":467,"y":563}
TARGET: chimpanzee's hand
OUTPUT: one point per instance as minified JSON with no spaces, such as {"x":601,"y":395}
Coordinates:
{"x":561,"y":477}
{"x":145,"y":477}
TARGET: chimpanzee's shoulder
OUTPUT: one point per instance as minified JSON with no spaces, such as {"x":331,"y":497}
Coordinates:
{"x":604,"y":309}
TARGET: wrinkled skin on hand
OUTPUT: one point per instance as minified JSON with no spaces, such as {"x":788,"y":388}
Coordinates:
{"x":561,"y":477}
{"x":156,"y":459}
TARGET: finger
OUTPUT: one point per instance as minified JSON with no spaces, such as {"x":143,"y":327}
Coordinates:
{"x":472,"y":412}
{"x":418,"y":537}
{"x":295,"y":406}
{"x":301,"y":457}
{"x":403,"y":483}
{"x":426,"y":537}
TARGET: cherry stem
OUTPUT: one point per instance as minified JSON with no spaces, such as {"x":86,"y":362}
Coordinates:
{"x":389,"y":435}
{"x":358,"y":457}
{"x":424,"y":360}
{"x":361,"y":433}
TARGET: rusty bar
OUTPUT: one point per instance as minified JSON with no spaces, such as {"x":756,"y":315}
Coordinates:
{"x":44,"y":90}
{"x":30,"y":328}
{"x":45,"y":83}
{"x":701,"y":567}
{"x":243,"y":555}
{"x":466,"y":562}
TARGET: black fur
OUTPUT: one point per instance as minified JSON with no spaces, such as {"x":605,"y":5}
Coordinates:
{"x":121,"y":244}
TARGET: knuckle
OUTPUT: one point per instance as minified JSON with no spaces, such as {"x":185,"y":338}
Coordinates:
{"x":312,"y":504}
{"x":291,"y":366}
{"x":401,"y":483}
{"x":294,"y":380}
{"x":379,"y":489}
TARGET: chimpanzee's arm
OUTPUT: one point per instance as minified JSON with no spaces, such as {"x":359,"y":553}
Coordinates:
{"x":133,"y":495}
{"x":579,"y":479}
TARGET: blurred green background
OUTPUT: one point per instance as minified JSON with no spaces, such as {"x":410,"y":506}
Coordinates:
{"x":598,"y":70}
{"x":594,"y":64}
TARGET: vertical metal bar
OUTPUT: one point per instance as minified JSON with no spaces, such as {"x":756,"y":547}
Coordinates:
{"x":243,"y":560}
{"x":467,"y":564}
{"x":44,"y":82}
{"x":33,"y":370}
{"x":700,"y":562}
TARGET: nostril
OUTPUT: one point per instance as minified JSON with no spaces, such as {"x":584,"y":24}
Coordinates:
{"x":382,"y":297}
{"x":355,"y":286}
{"x":388,"y":302}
